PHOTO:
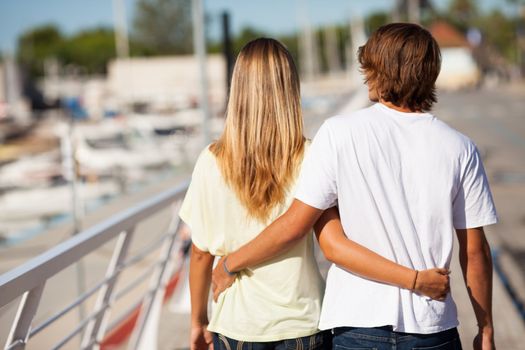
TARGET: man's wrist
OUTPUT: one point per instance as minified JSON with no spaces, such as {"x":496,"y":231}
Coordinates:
{"x":414,"y":281}
{"x":486,"y":329}
{"x":232,"y":263}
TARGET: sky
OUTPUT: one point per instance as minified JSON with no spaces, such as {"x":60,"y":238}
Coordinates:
{"x":272,"y":16}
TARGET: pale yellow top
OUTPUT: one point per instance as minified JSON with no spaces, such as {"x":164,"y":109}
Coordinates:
{"x":277,"y":300}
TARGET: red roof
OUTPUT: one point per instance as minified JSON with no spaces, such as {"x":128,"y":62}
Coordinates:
{"x":447,"y":36}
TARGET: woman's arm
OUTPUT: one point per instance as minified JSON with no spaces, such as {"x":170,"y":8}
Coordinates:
{"x":357,"y":259}
{"x":201,"y":264}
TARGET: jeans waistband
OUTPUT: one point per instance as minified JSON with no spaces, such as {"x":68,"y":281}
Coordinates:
{"x":389,"y":331}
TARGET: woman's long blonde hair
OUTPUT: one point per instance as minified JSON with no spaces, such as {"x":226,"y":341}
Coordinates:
{"x":262,"y":144}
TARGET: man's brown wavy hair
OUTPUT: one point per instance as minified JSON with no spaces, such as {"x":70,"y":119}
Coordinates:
{"x":401,"y":61}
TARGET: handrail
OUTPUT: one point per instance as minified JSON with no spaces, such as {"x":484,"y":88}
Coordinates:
{"x":39,"y":269}
{"x":29,"y":279}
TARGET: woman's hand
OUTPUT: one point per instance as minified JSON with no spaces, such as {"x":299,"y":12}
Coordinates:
{"x":201,"y":338}
{"x":434,"y":283}
{"x":220,"y":280}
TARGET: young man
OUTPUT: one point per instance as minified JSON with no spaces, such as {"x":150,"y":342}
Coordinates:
{"x":403,"y":181}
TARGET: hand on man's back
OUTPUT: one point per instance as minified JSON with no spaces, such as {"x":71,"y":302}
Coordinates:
{"x":220,"y":280}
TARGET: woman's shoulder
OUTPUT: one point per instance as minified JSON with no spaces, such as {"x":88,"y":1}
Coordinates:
{"x":206,"y":155}
{"x":206,"y":164}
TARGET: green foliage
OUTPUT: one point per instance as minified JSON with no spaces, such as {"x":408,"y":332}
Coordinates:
{"x":292,"y":44}
{"x":376,"y":20}
{"x":163,"y":27}
{"x":37,"y":45}
{"x":246,"y":35}
{"x":90,"y":49}
{"x":499,"y":32}
{"x":291,"y":41}
{"x":462,"y":14}
{"x":214,"y":47}
{"x":464,"y":10}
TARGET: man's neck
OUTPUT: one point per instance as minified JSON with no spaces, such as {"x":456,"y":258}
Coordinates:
{"x":397,"y":108}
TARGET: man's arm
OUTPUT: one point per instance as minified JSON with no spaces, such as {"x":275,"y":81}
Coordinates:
{"x":476,"y":263}
{"x":277,"y":238}
{"x":357,"y":259}
{"x":201,"y":264}
{"x":284,"y":233}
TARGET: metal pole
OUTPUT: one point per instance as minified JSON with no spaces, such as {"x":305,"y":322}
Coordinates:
{"x":309,"y":61}
{"x":227,"y":50}
{"x":97,"y":327}
{"x":21,"y":327}
{"x":70,"y":172}
{"x":199,"y":46}
{"x":332,"y":50}
{"x":414,"y":11}
{"x":521,"y":40}
{"x":396,"y":16}
{"x":152,"y":302}
{"x":121,"y":29}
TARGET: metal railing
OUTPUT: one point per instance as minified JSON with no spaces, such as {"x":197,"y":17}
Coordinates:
{"x":29,"y":280}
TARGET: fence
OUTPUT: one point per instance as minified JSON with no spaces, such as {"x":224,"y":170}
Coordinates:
{"x":29,"y":279}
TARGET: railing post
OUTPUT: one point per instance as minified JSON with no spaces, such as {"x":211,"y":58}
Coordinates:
{"x":27,"y":308}
{"x":150,"y":310}
{"x":96,"y":328}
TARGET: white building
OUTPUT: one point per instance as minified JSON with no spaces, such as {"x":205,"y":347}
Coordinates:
{"x":166,"y":82}
{"x":458,"y":67}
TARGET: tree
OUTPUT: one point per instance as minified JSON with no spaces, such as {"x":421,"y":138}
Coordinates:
{"x":291,"y":41}
{"x":376,"y":20}
{"x":163,"y":26}
{"x":37,"y":45}
{"x":91,"y":49}
{"x":246,"y":35}
{"x":499,"y":32}
{"x":462,"y":13}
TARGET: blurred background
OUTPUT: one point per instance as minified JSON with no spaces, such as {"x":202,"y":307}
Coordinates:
{"x":106,"y":103}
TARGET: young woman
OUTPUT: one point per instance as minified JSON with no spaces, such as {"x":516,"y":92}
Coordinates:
{"x":243,"y":182}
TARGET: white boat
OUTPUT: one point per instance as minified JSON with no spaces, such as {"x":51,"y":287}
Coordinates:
{"x":42,"y":203}
{"x":118,"y":146}
{"x":31,"y":171}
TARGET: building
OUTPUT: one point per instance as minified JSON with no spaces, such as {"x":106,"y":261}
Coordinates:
{"x":170,"y":82}
{"x":458,"y":67}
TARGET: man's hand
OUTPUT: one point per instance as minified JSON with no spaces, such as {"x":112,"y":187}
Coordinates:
{"x":220,"y":280}
{"x":484,"y":340}
{"x":201,"y":338}
{"x":434,"y":283}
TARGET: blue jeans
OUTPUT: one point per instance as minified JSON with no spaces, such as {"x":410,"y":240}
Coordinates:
{"x":383,"y":338}
{"x":319,"y":341}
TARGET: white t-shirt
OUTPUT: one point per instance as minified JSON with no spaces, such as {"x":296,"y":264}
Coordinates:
{"x":403,"y":182}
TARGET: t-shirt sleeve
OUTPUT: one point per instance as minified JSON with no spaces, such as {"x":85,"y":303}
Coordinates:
{"x":473,"y":205}
{"x":194,"y":208}
{"x":317,"y":185}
